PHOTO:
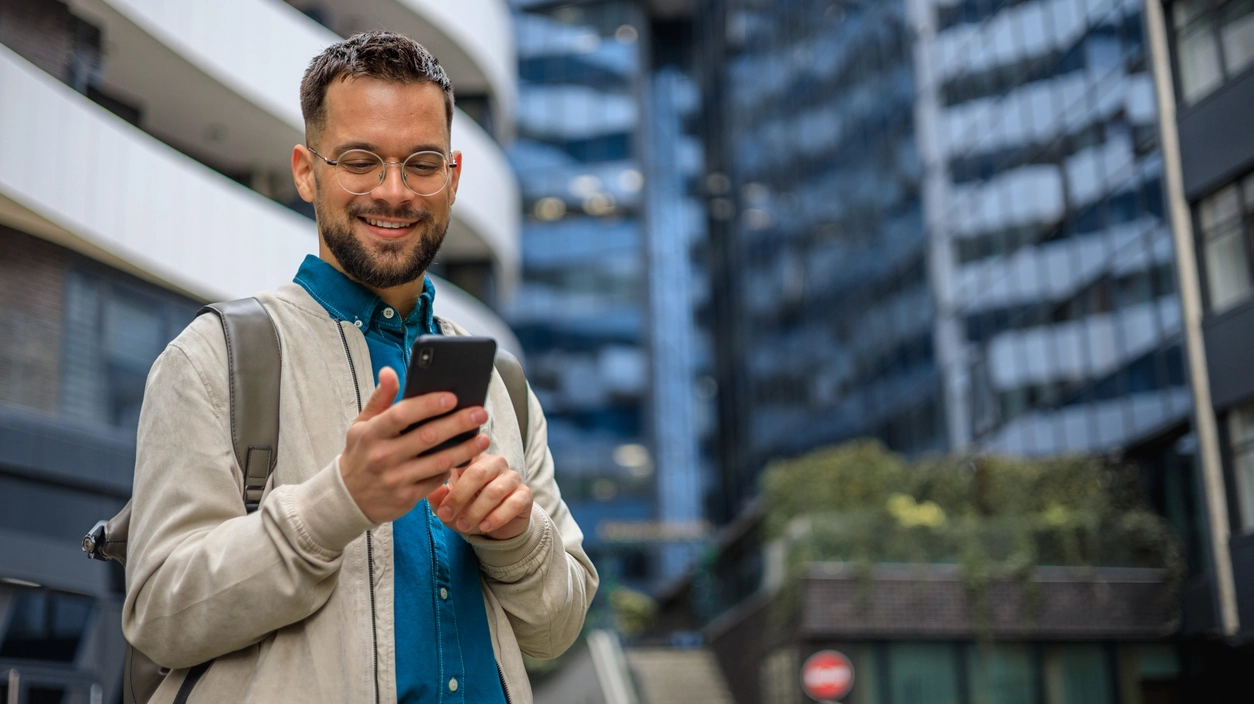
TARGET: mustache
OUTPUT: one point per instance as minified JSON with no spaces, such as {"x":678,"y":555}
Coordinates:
{"x":377,"y":211}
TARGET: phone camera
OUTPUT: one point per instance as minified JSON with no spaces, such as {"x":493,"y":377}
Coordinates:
{"x":424,"y":357}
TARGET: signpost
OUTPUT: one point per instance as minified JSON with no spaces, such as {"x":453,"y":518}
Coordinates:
{"x":827,"y":676}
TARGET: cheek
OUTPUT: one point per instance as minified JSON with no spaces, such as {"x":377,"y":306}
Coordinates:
{"x":332,"y":204}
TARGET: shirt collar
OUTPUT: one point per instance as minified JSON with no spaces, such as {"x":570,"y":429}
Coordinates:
{"x":346,"y":299}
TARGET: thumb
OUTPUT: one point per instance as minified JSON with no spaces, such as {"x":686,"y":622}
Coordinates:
{"x":383,"y":396}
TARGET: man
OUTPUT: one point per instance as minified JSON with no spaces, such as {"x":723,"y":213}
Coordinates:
{"x":369,"y":574}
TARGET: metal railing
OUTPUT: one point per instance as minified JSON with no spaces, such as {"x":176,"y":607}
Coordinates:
{"x":74,"y":687}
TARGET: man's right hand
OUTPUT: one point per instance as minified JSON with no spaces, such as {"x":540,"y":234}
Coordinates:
{"x":381,"y":466}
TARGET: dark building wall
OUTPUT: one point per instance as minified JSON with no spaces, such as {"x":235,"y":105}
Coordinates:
{"x":41,"y":31}
{"x":1213,"y":75}
{"x":1215,"y":143}
{"x":32,"y":284}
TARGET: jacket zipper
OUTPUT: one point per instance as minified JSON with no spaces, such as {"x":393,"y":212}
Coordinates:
{"x":374,"y":629}
{"x":504,"y":687}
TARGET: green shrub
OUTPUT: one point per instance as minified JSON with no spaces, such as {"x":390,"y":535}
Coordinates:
{"x":861,"y":503}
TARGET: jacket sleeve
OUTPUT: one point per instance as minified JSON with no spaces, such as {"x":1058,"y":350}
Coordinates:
{"x":204,"y":577}
{"x":543,"y":578}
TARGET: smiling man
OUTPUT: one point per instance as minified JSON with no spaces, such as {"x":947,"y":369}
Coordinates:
{"x":369,"y":574}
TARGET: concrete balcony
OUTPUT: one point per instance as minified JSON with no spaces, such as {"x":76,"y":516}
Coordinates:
{"x":77,"y":175}
{"x":220,"y":81}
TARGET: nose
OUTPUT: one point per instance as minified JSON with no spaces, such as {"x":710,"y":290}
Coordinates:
{"x":393,"y":188}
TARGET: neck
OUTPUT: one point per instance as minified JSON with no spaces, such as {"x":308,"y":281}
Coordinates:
{"x":403,"y":298}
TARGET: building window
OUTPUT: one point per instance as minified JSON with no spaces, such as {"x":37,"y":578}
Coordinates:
{"x":1237,"y":27}
{"x":1214,"y":42}
{"x":115,"y":329}
{"x":1077,"y":674}
{"x":1241,"y":430}
{"x":1226,"y":218}
{"x":45,"y":625}
{"x":923,"y":672}
{"x":1001,"y":674}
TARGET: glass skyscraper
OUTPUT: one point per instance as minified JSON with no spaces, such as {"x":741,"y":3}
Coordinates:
{"x":580,"y":308}
{"x":821,"y":311}
{"x":1058,"y":325}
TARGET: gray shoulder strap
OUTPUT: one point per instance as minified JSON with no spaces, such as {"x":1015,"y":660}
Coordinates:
{"x":516,"y":382}
{"x":254,"y":366}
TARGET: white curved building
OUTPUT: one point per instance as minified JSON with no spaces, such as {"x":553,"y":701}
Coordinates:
{"x":144,"y":170}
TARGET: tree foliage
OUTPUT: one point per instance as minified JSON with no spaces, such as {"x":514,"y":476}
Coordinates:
{"x":861,"y":503}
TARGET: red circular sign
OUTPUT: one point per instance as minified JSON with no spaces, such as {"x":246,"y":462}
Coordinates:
{"x":827,"y":676}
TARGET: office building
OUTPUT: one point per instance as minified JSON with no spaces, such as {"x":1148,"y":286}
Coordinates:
{"x":1203,"y":60}
{"x":580,"y":308}
{"x":821,"y":307}
{"x":943,"y":223}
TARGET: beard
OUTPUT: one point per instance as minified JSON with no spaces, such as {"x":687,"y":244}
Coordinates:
{"x":381,"y":265}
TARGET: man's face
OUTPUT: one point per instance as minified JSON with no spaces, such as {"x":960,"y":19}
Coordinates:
{"x":393,"y":121}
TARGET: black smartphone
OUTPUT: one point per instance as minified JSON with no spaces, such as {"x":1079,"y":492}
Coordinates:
{"x":461,"y":365}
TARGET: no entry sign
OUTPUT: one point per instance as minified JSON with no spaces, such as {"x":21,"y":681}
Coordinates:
{"x":827,"y":676}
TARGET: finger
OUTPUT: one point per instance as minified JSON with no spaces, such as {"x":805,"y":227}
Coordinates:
{"x":434,"y":432}
{"x":437,"y":495}
{"x":413,"y":410}
{"x":439,"y":464}
{"x":413,"y":493}
{"x":383,"y":395}
{"x":516,"y":505}
{"x":491,"y":496}
{"x":468,"y":485}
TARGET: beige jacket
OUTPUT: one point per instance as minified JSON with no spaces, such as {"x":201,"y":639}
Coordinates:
{"x":281,"y":599}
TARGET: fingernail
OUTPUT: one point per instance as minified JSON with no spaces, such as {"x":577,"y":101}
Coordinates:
{"x":479,"y":416}
{"x":463,"y":525}
{"x":447,"y":401}
{"x":446,"y":513}
{"x":484,"y":441}
{"x":485,"y":526}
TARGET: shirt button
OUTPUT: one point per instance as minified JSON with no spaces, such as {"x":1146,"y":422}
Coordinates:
{"x":452,"y":685}
{"x":443,"y":593}
{"x":358,"y":323}
{"x":388,"y":313}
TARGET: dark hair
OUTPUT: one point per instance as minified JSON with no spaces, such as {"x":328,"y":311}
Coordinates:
{"x":387,"y":56}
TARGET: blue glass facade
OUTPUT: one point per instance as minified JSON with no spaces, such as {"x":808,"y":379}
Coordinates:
{"x":821,"y":310}
{"x":1059,"y":326}
{"x":580,"y":309}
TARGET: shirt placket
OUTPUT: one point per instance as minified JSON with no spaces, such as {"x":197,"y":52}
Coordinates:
{"x":452,"y":664}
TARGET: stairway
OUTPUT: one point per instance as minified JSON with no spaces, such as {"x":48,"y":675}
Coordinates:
{"x":673,"y":676}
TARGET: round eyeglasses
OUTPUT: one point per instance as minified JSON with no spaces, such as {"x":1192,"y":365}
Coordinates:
{"x":360,"y":172}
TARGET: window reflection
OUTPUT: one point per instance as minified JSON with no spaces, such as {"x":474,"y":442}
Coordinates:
{"x":45,"y":625}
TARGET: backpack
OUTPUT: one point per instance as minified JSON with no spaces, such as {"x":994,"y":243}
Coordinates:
{"x":253,"y":384}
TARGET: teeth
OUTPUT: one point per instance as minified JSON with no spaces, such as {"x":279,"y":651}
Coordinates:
{"x":388,"y":225}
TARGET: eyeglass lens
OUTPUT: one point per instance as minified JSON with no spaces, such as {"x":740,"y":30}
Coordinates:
{"x":360,"y":172}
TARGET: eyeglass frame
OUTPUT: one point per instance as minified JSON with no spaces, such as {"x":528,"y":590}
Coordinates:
{"x":452,"y":164}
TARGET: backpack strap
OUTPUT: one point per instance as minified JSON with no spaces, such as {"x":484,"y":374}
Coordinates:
{"x":254,"y":366}
{"x":511,"y":372}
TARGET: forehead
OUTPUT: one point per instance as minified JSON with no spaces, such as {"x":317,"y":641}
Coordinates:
{"x":391,"y":116}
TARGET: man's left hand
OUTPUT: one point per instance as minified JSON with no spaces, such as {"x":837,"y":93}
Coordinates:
{"x":484,"y":498}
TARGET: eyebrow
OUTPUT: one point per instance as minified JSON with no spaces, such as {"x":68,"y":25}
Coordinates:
{"x":348,"y":146}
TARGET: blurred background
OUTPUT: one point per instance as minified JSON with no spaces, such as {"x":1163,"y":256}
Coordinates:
{"x":914,"y":330}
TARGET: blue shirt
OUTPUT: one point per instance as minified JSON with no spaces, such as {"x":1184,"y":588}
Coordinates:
{"x":442,"y":631}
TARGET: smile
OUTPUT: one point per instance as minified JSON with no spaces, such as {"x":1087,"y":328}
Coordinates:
{"x":389,"y":225}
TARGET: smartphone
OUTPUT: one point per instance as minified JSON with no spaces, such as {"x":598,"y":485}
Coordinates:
{"x":461,"y":365}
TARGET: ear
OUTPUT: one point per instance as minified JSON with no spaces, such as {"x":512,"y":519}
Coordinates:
{"x":456,"y":176}
{"x":303,"y":173}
